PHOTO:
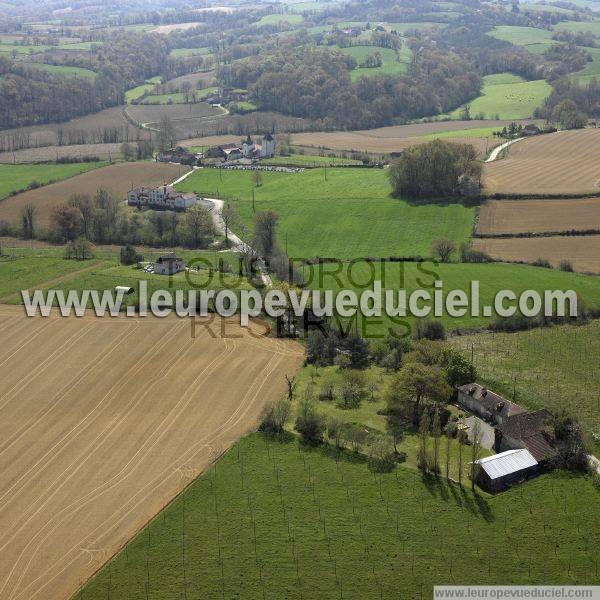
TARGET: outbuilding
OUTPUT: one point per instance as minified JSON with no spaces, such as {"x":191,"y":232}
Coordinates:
{"x":498,"y":472}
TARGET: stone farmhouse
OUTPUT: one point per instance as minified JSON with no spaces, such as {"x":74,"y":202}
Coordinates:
{"x":161,"y":198}
{"x":169,"y":264}
{"x":513,"y":426}
{"x":523,"y":440}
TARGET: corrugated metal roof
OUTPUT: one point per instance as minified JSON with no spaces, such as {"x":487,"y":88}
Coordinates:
{"x":507,"y":462}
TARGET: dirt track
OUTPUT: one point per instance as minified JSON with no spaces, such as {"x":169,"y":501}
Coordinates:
{"x":103,"y":421}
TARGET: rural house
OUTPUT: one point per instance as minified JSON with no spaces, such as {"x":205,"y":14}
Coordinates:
{"x":178,"y":155}
{"x":490,"y":407}
{"x":248,"y":149}
{"x":169,"y":264}
{"x":161,"y":198}
{"x":508,"y":427}
{"x":498,"y":472}
{"x":531,"y":430}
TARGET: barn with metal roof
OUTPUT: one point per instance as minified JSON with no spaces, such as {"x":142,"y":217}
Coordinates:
{"x":499,"y":471}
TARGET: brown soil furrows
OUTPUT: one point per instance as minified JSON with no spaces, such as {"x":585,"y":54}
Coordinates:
{"x":583,"y":252}
{"x":118,"y":178}
{"x":567,"y":162}
{"x":117,"y":415}
{"x":539,"y":216}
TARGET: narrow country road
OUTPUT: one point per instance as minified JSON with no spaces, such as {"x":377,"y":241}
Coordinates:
{"x":238,"y":244}
{"x":496,"y":151}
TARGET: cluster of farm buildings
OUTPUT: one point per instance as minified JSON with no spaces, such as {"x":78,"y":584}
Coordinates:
{"x":523,"y":440}
{"x":248,"y":150}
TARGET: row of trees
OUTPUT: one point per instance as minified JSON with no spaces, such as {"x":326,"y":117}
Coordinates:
{"x":31,"y":96}
{"x":102,"y":219}
{"x":435,"y":170}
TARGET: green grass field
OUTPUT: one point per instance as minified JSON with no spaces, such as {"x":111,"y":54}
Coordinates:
{"x":479,"y":132}
{"x":189,"y":52}
{"x":27,"y":272}
{"x":175,"y":98}
{"x":23,"y":268}
{"x":492,"y":278}
{"x":275,"y":520}
{"x":592,"y":69}
{"x":521,"y":36}
{"x":138,"y":91}
{"x":550,"y":367}
{"x":393,"y":64}
{"x":276,"y":19}
{"x":507,"y":96}
{"x":350,"y":215}
{"x":576,"y":26}
{"x":14,"y":178}
{"x":23,"y":49}
{"x":309,"y":160}
{"x":368,"y":414}
{"x":64,"y":70}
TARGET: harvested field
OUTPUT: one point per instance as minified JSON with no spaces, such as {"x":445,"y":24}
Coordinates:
{"x":152,"y":114}
{"x":539,"y":216}
{"x":52,"y":153}
{"x":104,"y":421}
{"x":205,"y":79}
{"x":396,"y":138}
{"x":91,"y":127}
{"x":567,"y":162}
{"x":116,"y":178}
{"x":582,"y":251}
{"x":165,"y":29}
{"x":212,"y":140}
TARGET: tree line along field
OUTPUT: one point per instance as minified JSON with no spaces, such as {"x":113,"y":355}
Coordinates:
{"x":274,"y":519}
{"x":554,"y":368}
{"x":117,"y":178}
{"x":492,"y":277}
{"x":343,"y":213}
{"x":90,"y":452}
{"x":507,"y":96}
{"x":567,"y":162}
{"x":15,"y":178}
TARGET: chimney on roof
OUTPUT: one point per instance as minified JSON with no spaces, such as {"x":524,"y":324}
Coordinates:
{"x":484,"y":392}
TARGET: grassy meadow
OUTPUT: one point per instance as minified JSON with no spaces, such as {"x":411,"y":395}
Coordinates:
{"x":492,"y":277}
{"x":521,"y":36}
{"x":16,"y":178}
{"x":507,"y":96}
{"x":45,"y":268}
{"x":393,"y":63}
{"x":277,"y":19}
{"x":274,"y":519}
{"x":550,"y":367}
{"x":343,"y":213}
{"x":64,"y":70}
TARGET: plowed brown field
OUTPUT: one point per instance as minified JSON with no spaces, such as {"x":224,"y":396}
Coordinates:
{"x":103,"y":422}
{"x":396,"y":138}
{"x":117,"y":178}
{"x":567,"y":162}
{"x":539,"y":216}
{"x":582,"y":251}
